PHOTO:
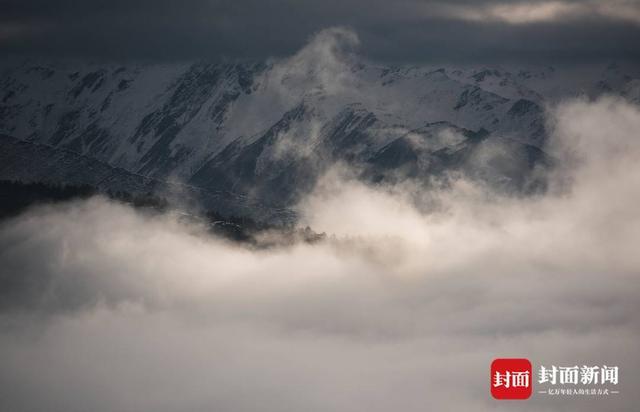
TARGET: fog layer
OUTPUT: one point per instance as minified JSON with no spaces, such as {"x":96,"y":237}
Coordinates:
{"x":402,"y":308}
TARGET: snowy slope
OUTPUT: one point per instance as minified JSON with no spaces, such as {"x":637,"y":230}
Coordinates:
{"x":268,"y":129}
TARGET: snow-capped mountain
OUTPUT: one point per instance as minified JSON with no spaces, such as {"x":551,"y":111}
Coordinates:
{"x":263,"y":132}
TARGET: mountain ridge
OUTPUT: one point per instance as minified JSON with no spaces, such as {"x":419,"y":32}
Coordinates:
{"x":268,"y":130}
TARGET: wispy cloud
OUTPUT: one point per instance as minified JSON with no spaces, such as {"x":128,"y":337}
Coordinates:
{"x":528,"y":12}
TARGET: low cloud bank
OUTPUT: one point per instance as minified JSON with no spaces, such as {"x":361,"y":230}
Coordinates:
{"x":105,"y":309}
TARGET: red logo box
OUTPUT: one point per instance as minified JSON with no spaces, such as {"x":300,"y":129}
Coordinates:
{"x":511,"y":379}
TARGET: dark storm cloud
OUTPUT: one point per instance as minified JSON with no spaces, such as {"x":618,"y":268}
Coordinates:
{"x":405,"y":30}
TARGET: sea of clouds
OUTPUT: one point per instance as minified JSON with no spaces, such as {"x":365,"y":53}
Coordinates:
{"x":403,"y":307}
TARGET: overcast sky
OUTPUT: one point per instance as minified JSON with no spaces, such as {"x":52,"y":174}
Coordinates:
{"x":398,"y":30}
